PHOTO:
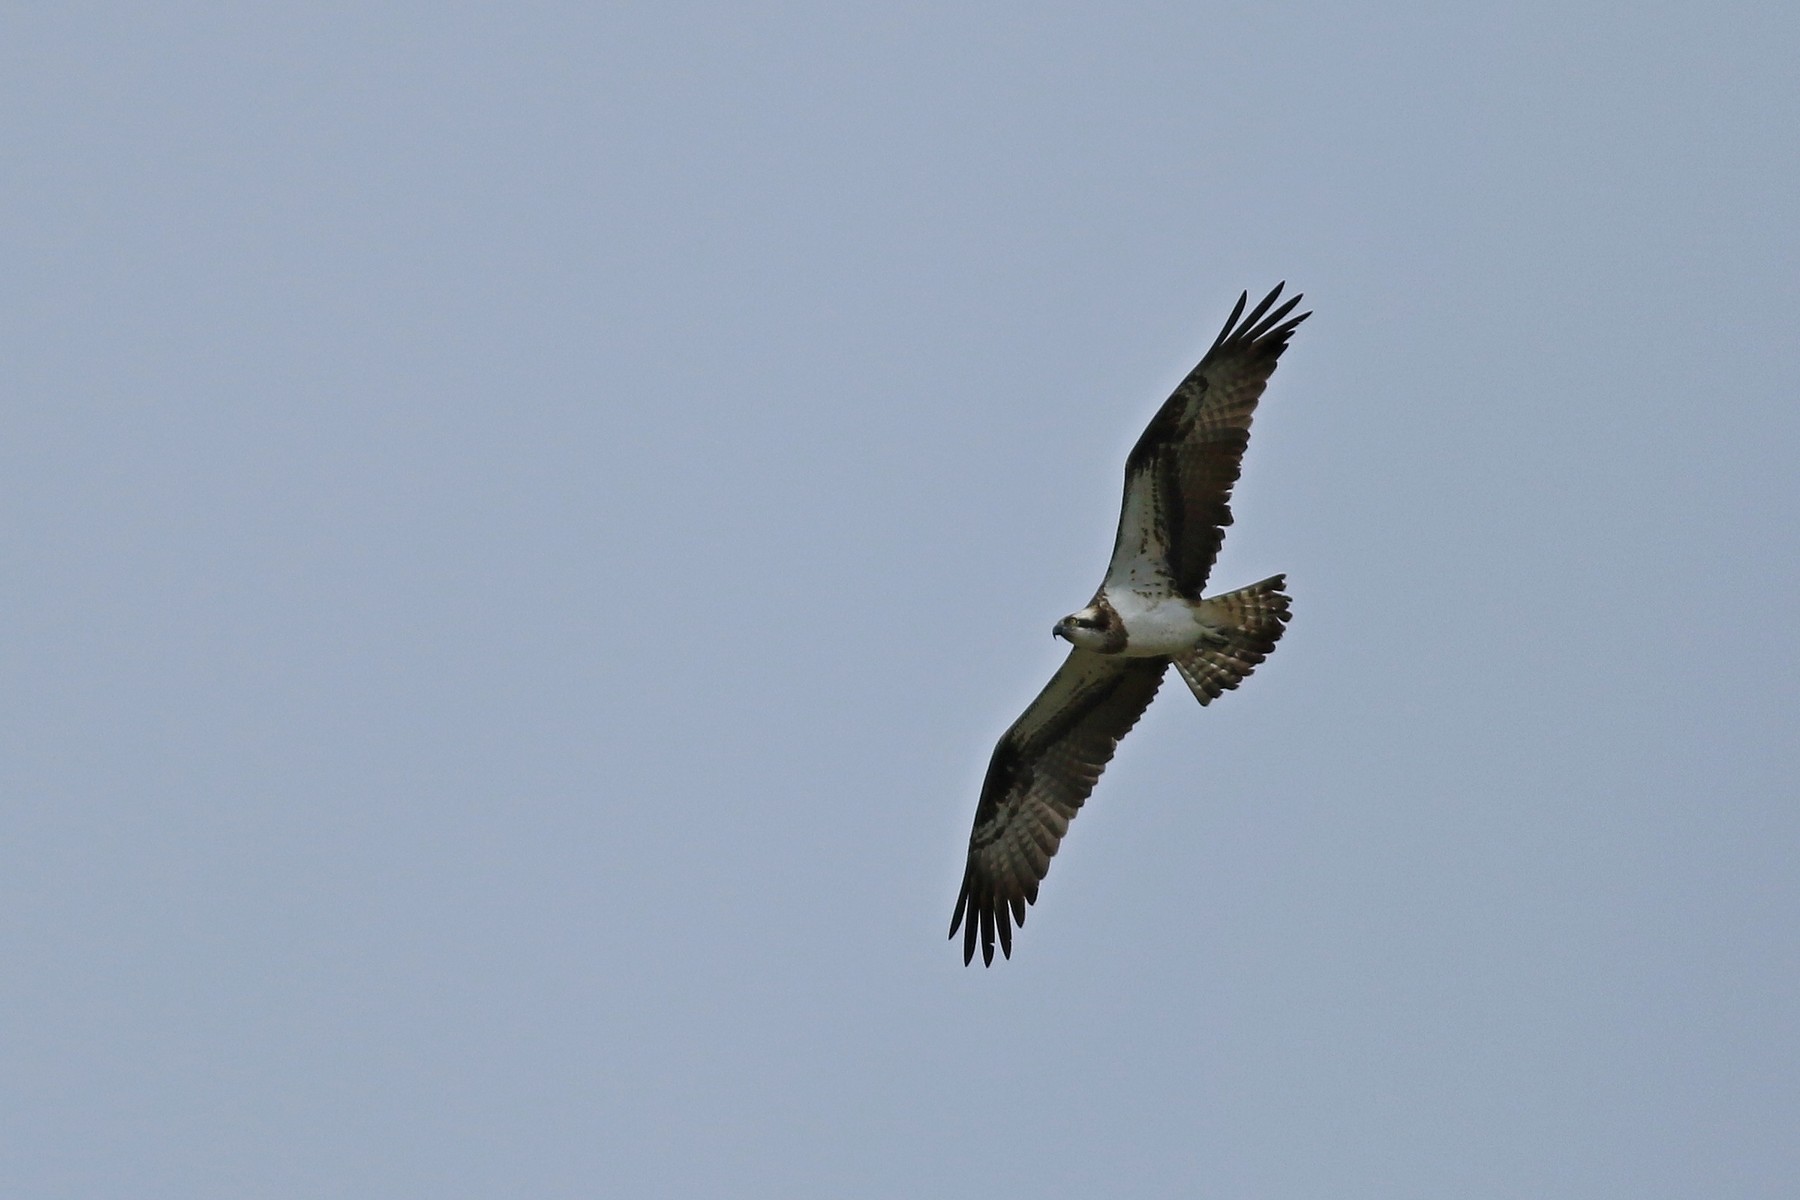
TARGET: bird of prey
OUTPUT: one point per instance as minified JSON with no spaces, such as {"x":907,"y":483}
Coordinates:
{"x":1148,"y":613}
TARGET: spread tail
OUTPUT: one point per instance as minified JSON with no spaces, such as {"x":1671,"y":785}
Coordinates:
{"x":1246,"y":625}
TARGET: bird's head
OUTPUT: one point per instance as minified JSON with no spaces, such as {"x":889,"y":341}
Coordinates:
{"x":1096,"y":627}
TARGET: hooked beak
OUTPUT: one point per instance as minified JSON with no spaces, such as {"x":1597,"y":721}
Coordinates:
{"x":1061,"y":630}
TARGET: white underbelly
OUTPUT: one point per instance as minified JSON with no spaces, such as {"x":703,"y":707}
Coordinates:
{"x":1167,"y":626}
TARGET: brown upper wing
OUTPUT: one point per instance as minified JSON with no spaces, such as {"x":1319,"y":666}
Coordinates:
{"x":1043,"y":769}
{"x":1179,"y":476}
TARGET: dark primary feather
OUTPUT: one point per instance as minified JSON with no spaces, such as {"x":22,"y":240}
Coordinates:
{"x":1192,"y":451}
{"x":1043,"y":769}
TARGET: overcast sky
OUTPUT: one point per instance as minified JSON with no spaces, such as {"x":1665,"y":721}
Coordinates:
{"x":523,"y":524}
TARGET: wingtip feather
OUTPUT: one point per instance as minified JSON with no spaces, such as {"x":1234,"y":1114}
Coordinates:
{"x":1261,"y":325}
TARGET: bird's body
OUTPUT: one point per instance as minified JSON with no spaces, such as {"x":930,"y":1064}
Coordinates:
{"x":1157,"y":624}
{"x":1148,"y":613}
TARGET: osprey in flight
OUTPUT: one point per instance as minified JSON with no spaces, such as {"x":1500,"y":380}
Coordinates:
{"x":1148,"y":613}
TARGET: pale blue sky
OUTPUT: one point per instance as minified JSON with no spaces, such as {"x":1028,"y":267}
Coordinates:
{"x":523,"y":524}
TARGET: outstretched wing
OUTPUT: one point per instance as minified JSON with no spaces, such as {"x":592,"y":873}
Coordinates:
{"x":1041,"y":772}
{"x":1179,"y":476}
